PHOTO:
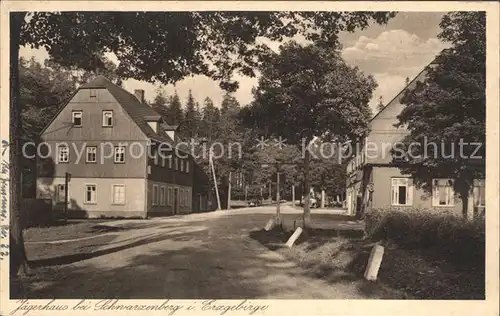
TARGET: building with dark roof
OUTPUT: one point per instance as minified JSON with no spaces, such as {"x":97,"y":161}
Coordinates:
{"x":122,"y":159}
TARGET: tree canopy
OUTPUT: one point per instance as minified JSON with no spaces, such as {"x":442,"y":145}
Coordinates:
{"x":168,"y":46}
{"x":309,"y":92}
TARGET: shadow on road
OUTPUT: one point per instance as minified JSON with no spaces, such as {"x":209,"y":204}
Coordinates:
{"x":183,"y":262}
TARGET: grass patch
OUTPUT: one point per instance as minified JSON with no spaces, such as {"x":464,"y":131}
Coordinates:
{"x":416,"y":273}
{"x":324,"y":255}
{"x":71,"y":229}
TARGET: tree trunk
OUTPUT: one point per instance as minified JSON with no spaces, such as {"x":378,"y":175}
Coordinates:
{"x":270,"y":192}
{"x":18,"y":261}
{"x":464,"y":196}
{"x":463,"y":190}
{"x":306,"y":218}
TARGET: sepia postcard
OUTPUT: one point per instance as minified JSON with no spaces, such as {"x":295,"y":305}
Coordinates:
{"x":249,"y":158}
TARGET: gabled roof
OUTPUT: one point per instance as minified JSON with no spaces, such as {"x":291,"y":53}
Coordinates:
{"x":420,"y":77}
{"x":139,"y":112}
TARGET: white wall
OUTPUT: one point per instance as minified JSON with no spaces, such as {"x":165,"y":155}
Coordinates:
{"x":135,"y":194}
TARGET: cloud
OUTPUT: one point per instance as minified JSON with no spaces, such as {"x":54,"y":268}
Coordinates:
{"x":391,"y":57}
{"x":396,"y":51}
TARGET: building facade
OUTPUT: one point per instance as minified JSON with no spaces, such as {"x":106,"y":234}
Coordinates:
{"x":375,"y":180}
{"x":122,"y":159}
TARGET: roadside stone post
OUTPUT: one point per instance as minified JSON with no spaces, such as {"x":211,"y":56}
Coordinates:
{"x":269,"y":225}
{"x":374,"y":263}
{"x":294,"y":237}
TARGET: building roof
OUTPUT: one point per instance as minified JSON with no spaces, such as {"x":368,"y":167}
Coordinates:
{"x":419,"y":77}
{"x":139,"y":112}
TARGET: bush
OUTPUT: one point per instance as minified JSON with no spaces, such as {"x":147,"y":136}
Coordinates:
{"x":37,"y":213}
{"x":462,"y":240}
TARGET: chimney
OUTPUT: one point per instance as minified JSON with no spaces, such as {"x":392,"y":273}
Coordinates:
{"x":139,"y":94}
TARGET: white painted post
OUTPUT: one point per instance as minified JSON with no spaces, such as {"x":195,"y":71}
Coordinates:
{"x":294,"y":237}
{"x":374,"y":263}
{"x":323,"y":197}
{"x":269,"y":225}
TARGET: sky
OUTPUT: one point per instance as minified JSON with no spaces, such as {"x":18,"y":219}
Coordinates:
{"x":390,"y":53}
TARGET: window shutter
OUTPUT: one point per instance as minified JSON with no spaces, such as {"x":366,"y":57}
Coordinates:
{"x":394,"y":192}
{"x":409,"y":192}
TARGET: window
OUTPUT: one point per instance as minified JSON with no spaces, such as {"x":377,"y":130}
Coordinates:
{"x":119,"y":194}
{"x":162,"y":196}
{"x":90,"y":194}
{"x":182,"y":165}
{"x":442,"y":192}
{"x":155,"y":195}
{"x":169,"y":197}
{"x":187,"y":166}
{"x":63,"y":153}
{"x":479,"y":193}
{"x":402,"y":191}
{"x":60,"y":193}
{"x":107,"y":118}
{"x":91,"y":154}
{"x":93,"y":93}
{"x":119,"y":154}
{"x":77,"y":118}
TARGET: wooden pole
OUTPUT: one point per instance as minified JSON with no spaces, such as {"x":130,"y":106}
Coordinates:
{"x":293,"y":194}
{"x":323,"y":197}
{"x":229,"y":192}
{"x":270,"y":191}
{"x":278,"y":215}
{"x":246,"y":193}
{"x":261,"y":196}
{"x":66,"y":181}
{"x":215,"y":179}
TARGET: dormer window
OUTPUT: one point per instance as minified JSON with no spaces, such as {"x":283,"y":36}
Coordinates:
{"x":107,"y":118}
{"x":93,"y":93}
{"x":76,"y":118}
{"x":154,"y":126}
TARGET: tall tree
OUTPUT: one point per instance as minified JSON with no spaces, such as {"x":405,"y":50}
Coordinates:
{"x":42,"y":90}
{"x":380,"y":105}
{"x":216,"y":44}
{"x":210,"y":120}
{"x":449,"y":108}
{"x":309,"y":91}
{"x":191,"y":122}
{"x":160,"y":102}
{"x":174,"y":113}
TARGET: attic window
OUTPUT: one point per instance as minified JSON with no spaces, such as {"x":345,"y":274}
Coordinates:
{"x":107,"y":118}
{"x":93,"y":93}
{"x":77,"y":118}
